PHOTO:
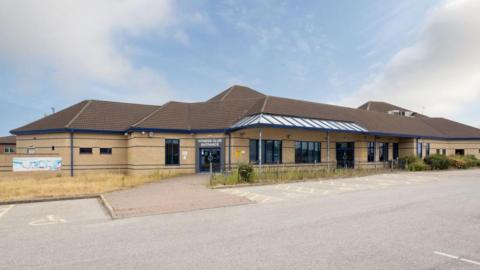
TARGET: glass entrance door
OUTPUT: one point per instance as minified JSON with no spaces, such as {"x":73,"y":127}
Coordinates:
{"x":207,"y":156}
{"x":345,"y":155}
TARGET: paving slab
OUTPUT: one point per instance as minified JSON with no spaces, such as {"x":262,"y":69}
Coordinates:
{"x":179,"y":194}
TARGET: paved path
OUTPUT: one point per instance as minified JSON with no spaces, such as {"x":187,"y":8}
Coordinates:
{"x":179,"y":194}
{"x":431,"y":223}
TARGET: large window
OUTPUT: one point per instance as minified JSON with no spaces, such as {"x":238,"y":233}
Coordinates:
{"x":460,"y":152}
{"x":383,"y":151}
{"x":419,"y":150}
{"x":427,"y":149}
{"x":307,"y":152}
{"x":371,"y":151}
{"x":172,"y":152}
{"x":444,"y":152}
{"x":271,"y":151}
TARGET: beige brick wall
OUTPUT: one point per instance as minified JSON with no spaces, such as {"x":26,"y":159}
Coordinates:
{"x":139,"y":153}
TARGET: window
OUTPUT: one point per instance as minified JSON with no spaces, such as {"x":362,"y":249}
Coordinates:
{"x":419,"y":150}
{"x":383,"y":151}
{"x":371,"y":151}
{"x":444,"y":152}
{"x":427,"y":149}
{"x":459,"y":152}
{"x":53,"y":148}
{"x":395,"y":151}
{"x":9,"y":149}
{"x":105,"y":151}
{"x":172,"y":151}
{"x":307,"y":152}
{"x":253,"y":151}
{"x":438,"y":151}
{"x":85,"y":151}
{"x":271,"y":151}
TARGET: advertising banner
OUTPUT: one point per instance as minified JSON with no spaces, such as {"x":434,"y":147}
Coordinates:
{"x":28,"y":164}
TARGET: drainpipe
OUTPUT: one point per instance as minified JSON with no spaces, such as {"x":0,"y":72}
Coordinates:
{"x":328,"y":150}
{"x":229,"y":151}
{"x":71,"y":154}
{"x":260,"y":149}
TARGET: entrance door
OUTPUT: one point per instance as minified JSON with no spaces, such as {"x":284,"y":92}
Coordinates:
{"x":345,"y":155}
{"x":207,"y":156}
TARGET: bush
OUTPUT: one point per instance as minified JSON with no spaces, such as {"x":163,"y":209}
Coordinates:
{"x":245,"y":172}
{"x":438,"y":162}
{"x":459,"y":162}
{"x":404,"y":162}
{"x":418,"y":165}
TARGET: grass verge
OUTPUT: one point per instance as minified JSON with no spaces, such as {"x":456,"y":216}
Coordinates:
{"x":21,"y":188}
{"x":274,"y":176}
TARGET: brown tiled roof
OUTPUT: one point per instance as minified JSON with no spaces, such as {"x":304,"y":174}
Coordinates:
{"x":91,"y":115}
{"x":385,"y":107}
{"x":236,"y":92}
{"x":222,"y":111}
{"x":8,"y":140}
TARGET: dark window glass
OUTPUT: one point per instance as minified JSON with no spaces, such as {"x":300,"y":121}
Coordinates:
{"x":383,"y":151}
{"x":371,"y":151}
{"x":271,"y":151}
{"x":444,"y":152}
{"x":438,"y":151}
{"x":253,"y":151}
{"x":427,"y":149}
{"x":419,"y":150}
{"x":9,"y":149}
{"x":459,"y":152}
{"x":172,"y":151}
{"x":105,"y":151}
{"x":86,"y":151}
{"x":307,"y":152}
{"x":395,"y":151}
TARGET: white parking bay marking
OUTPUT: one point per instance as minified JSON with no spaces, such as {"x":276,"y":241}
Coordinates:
{"x":4,"y":210}
{"x":456,"y":257}
{"x":48,"y":220}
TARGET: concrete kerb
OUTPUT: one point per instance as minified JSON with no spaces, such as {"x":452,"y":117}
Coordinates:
{"x":108,"y":207}
{"x":50,"y":199}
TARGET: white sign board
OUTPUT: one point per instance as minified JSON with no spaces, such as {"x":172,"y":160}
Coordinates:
{"x":28,"y":164}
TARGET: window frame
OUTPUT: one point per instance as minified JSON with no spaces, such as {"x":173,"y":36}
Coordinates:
{"x":109,"y":152}
{"x":383,"y":151}
{"x":11,"y":149}
{"x":274,"y":148}
{"x":173,"y":160}
{"x":85,"y":153}
{"x":427,"y":149}
{"x":308,"y":152}
{"x":419,"y":150}
{"x":371,"y":146}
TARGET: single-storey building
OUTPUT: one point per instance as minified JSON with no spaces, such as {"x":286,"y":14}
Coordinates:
{"x":239,"y":125}
{"x":8,"y":144}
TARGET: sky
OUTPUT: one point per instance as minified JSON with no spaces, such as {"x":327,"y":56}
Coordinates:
{"x":420,"y":54}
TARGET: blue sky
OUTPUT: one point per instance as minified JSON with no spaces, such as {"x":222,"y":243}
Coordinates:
{"x":57,"y":53}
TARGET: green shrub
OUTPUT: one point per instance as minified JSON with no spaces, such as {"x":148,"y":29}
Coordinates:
{"x":245,"y":172}
{"x":438,"y":162}
{"x":459,"y":162}
{"x":416,"y":166}
{"x":404,"y":162}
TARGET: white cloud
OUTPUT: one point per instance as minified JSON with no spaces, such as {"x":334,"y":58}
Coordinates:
{"x":440,"y":72}
{"x":75,"y":44}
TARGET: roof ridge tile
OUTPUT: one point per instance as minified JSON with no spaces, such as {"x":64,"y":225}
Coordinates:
{"x":78,"y":114}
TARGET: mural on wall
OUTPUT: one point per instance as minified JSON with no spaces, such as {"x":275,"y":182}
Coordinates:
{"x":28,"y":164}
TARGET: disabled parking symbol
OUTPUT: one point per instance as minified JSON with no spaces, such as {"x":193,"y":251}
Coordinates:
{"x":48,"y":220}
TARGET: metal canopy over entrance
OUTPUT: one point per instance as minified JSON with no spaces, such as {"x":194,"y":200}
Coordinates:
{"x":297,"y":122}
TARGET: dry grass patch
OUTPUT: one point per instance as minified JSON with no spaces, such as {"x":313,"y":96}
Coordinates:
{"x":27,"y":187}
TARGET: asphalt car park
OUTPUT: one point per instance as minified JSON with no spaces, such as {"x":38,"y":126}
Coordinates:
{"x":392,"y":221}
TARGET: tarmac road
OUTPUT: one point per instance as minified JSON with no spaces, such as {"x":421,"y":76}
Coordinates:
{"x":398,"y":221}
